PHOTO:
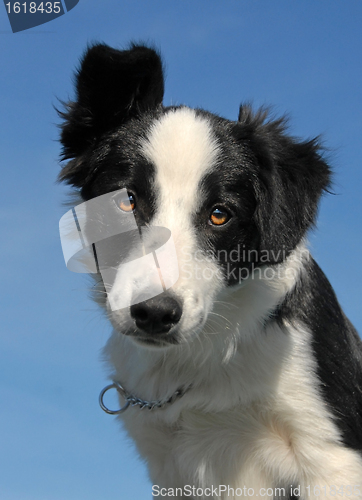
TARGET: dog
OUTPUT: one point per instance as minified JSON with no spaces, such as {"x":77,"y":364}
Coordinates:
{"x":243,"y":378}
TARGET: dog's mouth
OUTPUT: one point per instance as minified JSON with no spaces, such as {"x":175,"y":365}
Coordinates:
{"x":157,"y":341}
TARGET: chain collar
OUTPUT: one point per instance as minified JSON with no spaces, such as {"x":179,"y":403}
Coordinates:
{"x":131,"y":400}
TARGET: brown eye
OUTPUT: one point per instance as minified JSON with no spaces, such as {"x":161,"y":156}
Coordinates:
{"x":126,"y":203}
{"x":219,"y":216}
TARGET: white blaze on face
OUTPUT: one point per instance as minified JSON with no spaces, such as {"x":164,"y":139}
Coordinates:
{"x":183,"y":150}
{"x":181,"y":147}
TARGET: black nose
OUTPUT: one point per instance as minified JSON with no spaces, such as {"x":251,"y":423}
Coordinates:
{"x":157,"y":315}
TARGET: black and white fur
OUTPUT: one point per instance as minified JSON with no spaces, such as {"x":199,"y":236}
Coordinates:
{"x":275,"y":366}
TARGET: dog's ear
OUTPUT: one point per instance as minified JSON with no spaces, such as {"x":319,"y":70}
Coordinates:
{"x":112,"y":86}
{"x":290,"y":176}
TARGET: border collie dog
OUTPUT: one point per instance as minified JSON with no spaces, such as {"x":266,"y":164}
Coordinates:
{"x":249,"y":370}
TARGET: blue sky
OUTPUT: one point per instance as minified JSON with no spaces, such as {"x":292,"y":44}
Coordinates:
{"x":301,"y":56}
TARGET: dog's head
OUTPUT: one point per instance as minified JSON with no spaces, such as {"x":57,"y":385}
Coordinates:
{"x":236,"y":196}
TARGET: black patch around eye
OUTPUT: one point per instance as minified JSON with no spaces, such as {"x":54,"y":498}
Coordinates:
{"x":234,"y":244}
{"x":117,"y":164}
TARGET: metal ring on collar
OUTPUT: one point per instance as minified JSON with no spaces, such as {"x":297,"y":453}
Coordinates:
{"x":121,"y":391}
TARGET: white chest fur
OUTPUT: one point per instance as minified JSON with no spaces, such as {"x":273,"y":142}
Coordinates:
{"x":256,"y":421}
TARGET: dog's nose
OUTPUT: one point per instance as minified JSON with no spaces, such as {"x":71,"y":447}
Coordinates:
{"x":157,"y":315}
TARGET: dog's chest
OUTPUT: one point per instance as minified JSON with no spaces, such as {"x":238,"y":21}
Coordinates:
{"x":257,"y":431}
{"x":203,"y":449}
{"x":253,"y":447}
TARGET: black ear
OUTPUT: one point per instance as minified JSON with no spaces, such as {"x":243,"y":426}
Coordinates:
{"x":112,"y":86}
{"x":291,"y":176}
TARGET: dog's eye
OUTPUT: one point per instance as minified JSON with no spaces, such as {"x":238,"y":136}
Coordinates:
{"x":126,"y":203}
{"x":219,"y":216}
